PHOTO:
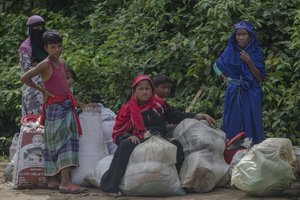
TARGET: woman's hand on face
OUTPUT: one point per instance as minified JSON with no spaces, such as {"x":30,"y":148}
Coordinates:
{"x":244,"y":56}
{"x":134,"y":139}
{"x":211,"y":121}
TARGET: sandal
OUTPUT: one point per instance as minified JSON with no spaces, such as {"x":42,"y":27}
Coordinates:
{"x":73,"y":189}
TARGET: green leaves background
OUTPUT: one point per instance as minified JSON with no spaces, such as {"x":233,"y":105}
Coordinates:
{"x":110,"y":42}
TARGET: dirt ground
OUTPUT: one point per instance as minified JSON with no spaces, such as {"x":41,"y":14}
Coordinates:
{"x":7,"y":193}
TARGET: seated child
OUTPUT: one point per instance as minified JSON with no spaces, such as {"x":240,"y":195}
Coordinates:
{"x":162,"y":85}
{"x":162,"y":89}
{"x":71,"y":79}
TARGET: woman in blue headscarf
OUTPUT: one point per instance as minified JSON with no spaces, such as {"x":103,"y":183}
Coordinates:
{"x":242,"y":66}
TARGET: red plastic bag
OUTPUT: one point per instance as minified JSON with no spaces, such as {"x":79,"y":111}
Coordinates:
{"x":231,"y":147}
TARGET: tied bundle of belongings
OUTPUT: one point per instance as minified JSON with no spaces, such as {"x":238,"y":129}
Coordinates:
{"x":204,"y":167}
{"x":151,"y":170}
{"x":297,"y":154}
{"x":92,"y":146}
{"x":29,"y":165}
{"x":95,"y":176}
{"x":267,"y":168}
{"x":108,"y":118}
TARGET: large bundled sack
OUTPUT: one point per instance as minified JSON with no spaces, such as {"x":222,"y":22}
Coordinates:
{"x":204,"y":167}
{"x":195,"y":135}
{"x":29,"y":165}
{"x":202,"y":172}
{"x":95,"y":176}
{"x":236,"y":159}
{"x":108,"y":118}
{"x":151,"y":170}
{"x":91,"y":146}
{"x":297,"y":154}
{"x":267,"y":169}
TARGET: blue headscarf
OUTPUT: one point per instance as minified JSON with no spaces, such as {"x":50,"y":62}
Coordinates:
{"x":230,"y":62}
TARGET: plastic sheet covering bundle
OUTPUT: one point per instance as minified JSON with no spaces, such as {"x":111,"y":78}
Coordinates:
{"x":267,"y":169}
{"x":204,"y":167}
{"x":95,"y":175}
{"x":151,"y":170}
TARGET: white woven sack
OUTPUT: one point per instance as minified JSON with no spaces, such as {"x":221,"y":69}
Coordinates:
{"x":108,"y":118}
{"x":91,"y":146}
{"x":29,"y":166}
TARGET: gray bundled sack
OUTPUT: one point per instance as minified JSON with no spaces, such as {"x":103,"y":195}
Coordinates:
{"x":204,"y":167}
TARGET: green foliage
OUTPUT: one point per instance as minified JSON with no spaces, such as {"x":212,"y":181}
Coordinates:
{"x":4,"y":145}
{"x":10,"y":93}
{"x":110,"y":42}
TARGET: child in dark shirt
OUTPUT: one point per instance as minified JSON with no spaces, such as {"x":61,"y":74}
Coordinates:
{"x":162,"y":85}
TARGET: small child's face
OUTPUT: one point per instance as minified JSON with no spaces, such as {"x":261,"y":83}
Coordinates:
{"x":70,"y":79}
{"x":163,"y":90}
{"x":54,"y":50}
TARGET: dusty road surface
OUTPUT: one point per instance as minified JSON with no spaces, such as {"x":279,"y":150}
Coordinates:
{"x":7,"y":193}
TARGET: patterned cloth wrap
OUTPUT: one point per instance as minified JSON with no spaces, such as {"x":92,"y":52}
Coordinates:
{"x":61,"y":138}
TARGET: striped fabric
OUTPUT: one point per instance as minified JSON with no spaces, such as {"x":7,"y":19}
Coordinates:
{"x":61,"y":138}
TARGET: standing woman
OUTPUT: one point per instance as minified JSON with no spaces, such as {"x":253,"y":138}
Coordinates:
{"x":242,"y":66}
{"x":31,"y":52}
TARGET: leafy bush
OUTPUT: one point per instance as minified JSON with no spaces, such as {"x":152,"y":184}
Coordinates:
{"x":110,"y":42}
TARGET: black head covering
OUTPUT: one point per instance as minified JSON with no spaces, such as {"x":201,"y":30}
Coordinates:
{"x":38,"y":51}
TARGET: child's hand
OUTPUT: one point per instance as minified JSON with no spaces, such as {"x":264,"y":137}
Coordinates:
{"x":211,"y":121}
{"x":47,"y":94}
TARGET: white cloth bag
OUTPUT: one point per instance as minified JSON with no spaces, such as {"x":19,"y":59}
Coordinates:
{"x":151,"y":170}
{"x":91,"y":146}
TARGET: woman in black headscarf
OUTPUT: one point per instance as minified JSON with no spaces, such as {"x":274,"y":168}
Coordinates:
{"x":31,"y":52}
